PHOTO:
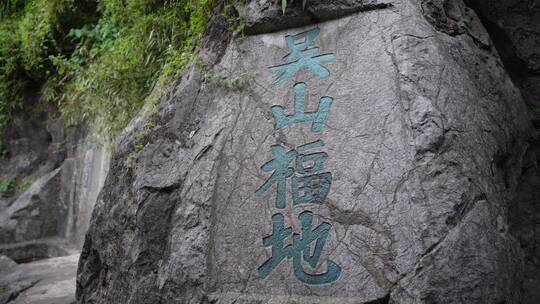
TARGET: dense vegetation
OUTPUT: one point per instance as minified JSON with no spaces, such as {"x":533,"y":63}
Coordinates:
{"x":94,"y":60}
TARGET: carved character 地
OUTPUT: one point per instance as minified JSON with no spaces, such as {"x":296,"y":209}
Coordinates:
{"x":300,"y":250}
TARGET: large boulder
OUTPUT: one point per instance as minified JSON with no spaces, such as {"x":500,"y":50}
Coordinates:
{"x":31,"y":146}
{"x":423,"y":149}
{"x":37,"y":213}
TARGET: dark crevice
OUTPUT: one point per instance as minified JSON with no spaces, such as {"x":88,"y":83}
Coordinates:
{"x":384,"y":300}
{"x":524,"y":206}
{"x":516,"y":67}
{"x":314,"y":12}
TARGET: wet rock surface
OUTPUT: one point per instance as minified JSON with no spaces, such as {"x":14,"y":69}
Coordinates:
{"x":426,"y":141}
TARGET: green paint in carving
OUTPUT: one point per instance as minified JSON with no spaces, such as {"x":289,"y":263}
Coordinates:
{"x":300,"y":115}
{"x":303,"y":55}
{"x":277,"y":242}
{"x":282,"y":171}
{"x":300,"y":250}
{"x":315,"y":186}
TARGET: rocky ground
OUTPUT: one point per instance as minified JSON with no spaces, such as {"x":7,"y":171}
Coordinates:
{"x":41,"y":282}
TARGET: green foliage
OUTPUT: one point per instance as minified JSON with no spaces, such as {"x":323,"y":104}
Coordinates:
{"x":175,"y":63}
{"x":235,"y":22}
{"x":7,"y":186}
{"x":130,"y":162}
{"x":30,"y":32}
{"x":93,"y":40}
{"x":4,"y":289}
{"x":142,"y":139}
{"x":13,"y":78}
{"x":135,"y":43}
{"x":8,"y":7}
{"x":467,"y":21}
{"x":24,"y":184}
{"x":97,"y":61}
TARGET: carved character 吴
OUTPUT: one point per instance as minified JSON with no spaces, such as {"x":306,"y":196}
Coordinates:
{"x":303,"y":54}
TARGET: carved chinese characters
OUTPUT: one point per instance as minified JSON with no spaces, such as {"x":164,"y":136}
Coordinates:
{"x":303,"y":166}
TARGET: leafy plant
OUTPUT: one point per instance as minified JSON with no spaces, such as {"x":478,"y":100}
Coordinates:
{"x":228,"y":81}
{"x":24,"y":184}
{"x":117,"y":63}
{"x":7,"y":186}
{"x":4,"y":289}
{"x":96,"y":61}
{"x":9,"y":7}
{"x":13,"y":80}
{"x":93,"y":40}
{"x":467,"y":21}
{"x":30,"y":32}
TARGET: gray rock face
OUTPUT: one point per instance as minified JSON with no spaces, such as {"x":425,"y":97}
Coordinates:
{"x":59,"y":202}
{"x":263,"y":16}
{"x":83,"y":174}
{"x":63,"y":170}
{"x":33,"y":250}
{"x":6,"y":263}
{"x":515,"y":28}
{"x":424,"y":141}
{"x":520,"y":22}
{"x":37,"y":213}
{"x":30,"y":148}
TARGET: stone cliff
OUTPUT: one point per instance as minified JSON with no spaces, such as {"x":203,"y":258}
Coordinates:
{"x":52,"y":176}
{"x":418,"y":112}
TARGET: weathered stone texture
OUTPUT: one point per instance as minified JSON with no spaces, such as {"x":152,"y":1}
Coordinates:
{"x":515,"y":28}
{"x":37,"y":213}
{"x":42,"y":282}
{"x":263,"y":16}
{"x":426,"y":139}
{"x":65,"y":171}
